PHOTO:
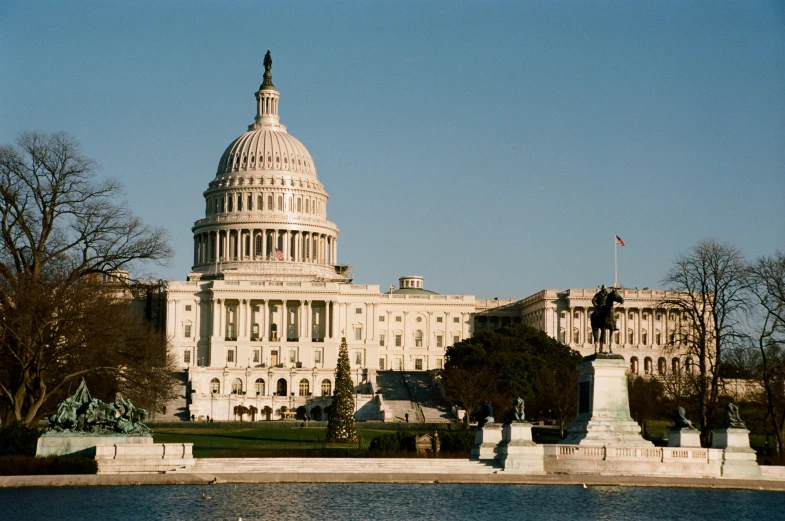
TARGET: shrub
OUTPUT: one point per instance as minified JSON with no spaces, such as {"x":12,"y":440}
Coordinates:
{"x":16,"y":465}
{"x":18,"y":439}
{"x":401,"y":441}
{"x":457,"y":441}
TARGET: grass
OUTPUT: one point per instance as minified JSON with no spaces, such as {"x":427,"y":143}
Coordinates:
{"x":246,"y":442}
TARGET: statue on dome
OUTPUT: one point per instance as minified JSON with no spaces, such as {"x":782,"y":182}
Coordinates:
{"x":268,"y":62}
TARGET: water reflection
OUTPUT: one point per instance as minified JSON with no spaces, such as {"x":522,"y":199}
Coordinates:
{"x":385,"y":501}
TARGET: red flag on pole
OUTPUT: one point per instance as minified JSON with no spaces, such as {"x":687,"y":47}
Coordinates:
{"x":619,"y":241}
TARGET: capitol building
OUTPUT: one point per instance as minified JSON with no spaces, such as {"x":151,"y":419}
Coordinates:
{"x":261,"y":316}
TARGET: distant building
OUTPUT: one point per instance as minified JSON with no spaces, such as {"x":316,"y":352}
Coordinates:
{"x":645,"y":327}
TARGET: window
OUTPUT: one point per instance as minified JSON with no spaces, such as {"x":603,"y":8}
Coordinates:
{"x":456,"y":339}
{"x":576,"y":314}
{"x":187,"y":356}
{"x":187,"y":332}
{"x":647,"y":365}
{"x":358,"y":311}
{"x":675,"y":366}
{"x":231,"y":204}
{"x":237,"y":386}
{"x":662,"y":366}
{"x":326,"y":388}
{"x":418,"y":338}
{"x":239,"y":203}
{"x":398,"y":319}
{"x":358,"y":358}
{"x":419,"y":319}
{"x":657,"y":338}
{"x":634,"y":365}
{"x":305,"y":388}
{"x":659,"y":317}
{"x":381,"y":364}
{"x":418,"y":364}
{"x":215,"y":386}
{"x":616,"y":337}
{"x":439,"y":319}
{"x":358,"y":333}
{"x":280,"y":203}
{"x":317,"y":356}
{"x":250,"y":202}
{"x":269,"y":202}
{"x":630,"y":336}
{"x":188,"y":307}
{"x":456,"y":320}
{"x":381,"y":340}
{"x":259,"y":387}
{"x":439,"y":341}
{"x":381,"y":318}
{"x":256,"y":356}
{"x":439,"y":363}
{"x":293,"y":356}
{"x":230,"y":355}
{"x":644,"y":337}
{"x":576,"y":336}
{"x":397,"y":340}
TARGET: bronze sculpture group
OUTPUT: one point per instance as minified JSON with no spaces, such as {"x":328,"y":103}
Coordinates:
{"x":84,"y":414}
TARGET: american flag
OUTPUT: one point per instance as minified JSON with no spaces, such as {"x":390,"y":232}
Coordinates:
{"x":619,"y":241}
{"x":278,"y":254}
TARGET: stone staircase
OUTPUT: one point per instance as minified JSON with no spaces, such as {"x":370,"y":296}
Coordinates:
{"x":176,"y":409}
{"x":428,"y":395}
{"x":337,"y":466}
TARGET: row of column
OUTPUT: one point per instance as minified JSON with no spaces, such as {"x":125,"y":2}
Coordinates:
{"x":254,"y":244}
{"x":640,"y":326}
{"x":244,"y":316}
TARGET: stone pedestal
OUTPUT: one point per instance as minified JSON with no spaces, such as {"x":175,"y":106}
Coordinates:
{"x":739,"y":460}
{"x":486,"y":440}
{"x":517,"y":452}
{"x":683,"y":437}
{"x":603,"y":405}
{"x":52,"y":444}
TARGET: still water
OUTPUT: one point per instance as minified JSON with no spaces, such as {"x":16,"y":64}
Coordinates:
{"x":387,"y":501}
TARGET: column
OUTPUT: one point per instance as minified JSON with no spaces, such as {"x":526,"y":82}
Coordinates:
{"x":264,"y":332}
{"x":335,"y":321}
{"x":428,"y":330}
{"x":253,"y":244}
{"x":197,"y":322}
{"x":216,"y":317}
{"x":217,"y":245}
{"x":335,"y":250}
{"x":240,"y":319}
{"x":285,"y":323}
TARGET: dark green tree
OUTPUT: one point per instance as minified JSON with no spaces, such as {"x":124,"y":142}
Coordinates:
{"x":340,"y":427}
{"x":513,"y":361}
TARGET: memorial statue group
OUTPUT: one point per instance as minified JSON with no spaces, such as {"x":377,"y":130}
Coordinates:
{"x":81,"y":413}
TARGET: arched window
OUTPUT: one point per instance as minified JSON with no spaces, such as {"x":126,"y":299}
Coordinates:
{"x":644,"y":337}
{"x":299,"y":205}
{"x":576,"y":336}
{"x":258,"y":245}
{"x":647,"y":368}
{"x":616,"y":338}
{"x":270,"y":203}
{"x":589,"y":336}
{"x":247,"y":248}
{"x":326,"y":388}
{"x":561,"y":336}
{"x":289,"y":206}
{"x":239,"y":203}
{"x":675,"y":366}
{"x":215,"y":386}
{"x":634,"y":365}
{"x":281,"y":387}
{"x":250,"y":203}
{"x":280,"y":203}
{"x":259,"y":387}
{"x":689,"y":365}
{"x":259,"y":202}
{"x":307,"y":206}
{"x":305,"y":388}
{"x":237,"y":386}
{"x":418,"y":338}
{"x":630,"y":336}
{"x":231,"y":203}
{"x":662,"y":366}
{"x":657,"y":337}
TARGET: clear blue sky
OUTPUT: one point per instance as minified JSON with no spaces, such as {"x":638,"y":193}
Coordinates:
{"x":491,"y":147}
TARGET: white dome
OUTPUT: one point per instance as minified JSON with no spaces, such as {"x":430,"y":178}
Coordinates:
{"x":268,"y":149}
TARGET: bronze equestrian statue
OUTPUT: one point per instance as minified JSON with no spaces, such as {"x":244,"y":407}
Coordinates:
{"x":603,"y":317}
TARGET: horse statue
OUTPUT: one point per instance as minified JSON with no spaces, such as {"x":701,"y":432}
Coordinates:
{"x":603,"y":317}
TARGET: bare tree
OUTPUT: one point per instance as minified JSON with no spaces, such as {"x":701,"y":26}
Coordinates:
{"x":471,"y":388}
{"x":62,"y":230}
{"x":711,"y":279}
{"x":767,"y":286}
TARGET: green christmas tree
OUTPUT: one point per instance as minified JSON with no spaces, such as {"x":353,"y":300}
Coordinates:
{"x":340,"y":427}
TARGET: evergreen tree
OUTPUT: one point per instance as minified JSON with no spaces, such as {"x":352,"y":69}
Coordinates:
{"x":340,"y":427}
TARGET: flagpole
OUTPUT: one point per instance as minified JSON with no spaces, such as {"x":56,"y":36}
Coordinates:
{"x":615,"y":243}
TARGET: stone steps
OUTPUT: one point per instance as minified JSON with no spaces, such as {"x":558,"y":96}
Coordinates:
{"x":338,"y":465}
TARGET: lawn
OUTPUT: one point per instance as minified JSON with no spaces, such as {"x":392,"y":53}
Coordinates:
{"x":250,"y":442}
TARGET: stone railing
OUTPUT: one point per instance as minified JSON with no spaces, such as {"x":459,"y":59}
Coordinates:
{"x":662,"y":454}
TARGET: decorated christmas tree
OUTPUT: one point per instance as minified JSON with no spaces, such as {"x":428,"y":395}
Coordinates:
{"x":340,"y":427}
